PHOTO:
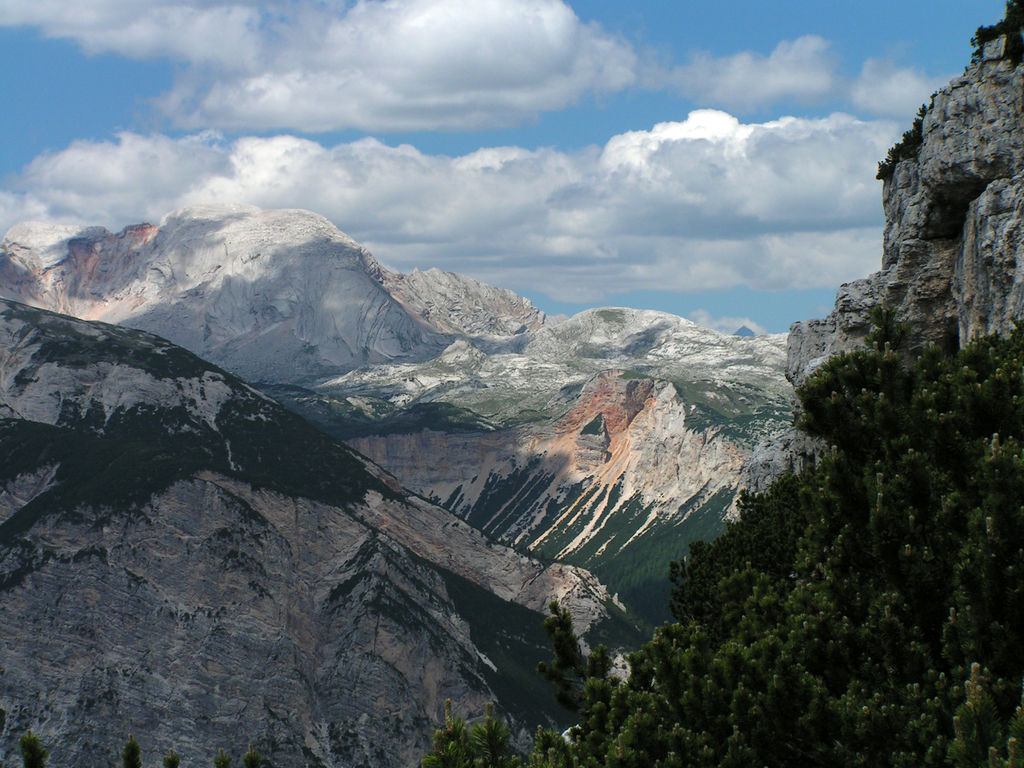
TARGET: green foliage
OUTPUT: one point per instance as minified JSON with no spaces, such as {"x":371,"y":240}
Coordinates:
{"x":976,"y":725}
{"x":571,"y":670}
{"x":594,"y":427}
{"x":832,"y":624}
{"x":252,"y":759}
{"x":906,"y":148}
{"x":33,"y":754}
{"x":1011,"y":25}
{"x":451,"y":743}
{"x":131,"y":755}
{"x":490,"y":743}
{"x":486,"y":745}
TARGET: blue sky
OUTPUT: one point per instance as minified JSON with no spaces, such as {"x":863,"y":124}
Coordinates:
{"x":711,"y":159}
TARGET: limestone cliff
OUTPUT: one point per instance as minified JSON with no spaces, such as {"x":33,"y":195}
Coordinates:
{"x":953,"y":252}
{"x":627,"y":447}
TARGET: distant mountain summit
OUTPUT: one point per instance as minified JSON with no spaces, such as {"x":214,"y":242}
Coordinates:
{"x":743,"y":331}
{"x":271,"y":295}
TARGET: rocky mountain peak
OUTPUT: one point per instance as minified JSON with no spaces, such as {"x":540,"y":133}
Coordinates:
{"x":458,"y":304}
{"x":613,"y":399}
{"x":273,"y":295}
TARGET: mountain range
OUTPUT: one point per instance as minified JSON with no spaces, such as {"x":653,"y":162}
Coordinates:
{"x":610,"y":439}
{"x":180,"y":556}
{"x":197,"y":555}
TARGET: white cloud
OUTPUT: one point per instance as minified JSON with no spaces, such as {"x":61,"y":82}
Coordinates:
{"x":800,"y":70}
{"x":372,"y":65}
{"x":706,"y":203}
{"x":883,"y":88}
{"x":198,"y":32}
{"x":409,"y":65}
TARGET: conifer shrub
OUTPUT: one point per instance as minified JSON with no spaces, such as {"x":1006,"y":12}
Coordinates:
{"x":33,"y":754}
{"x":1011,"y":26}
{"x":906,"y":148}
{"x":131,"y":755}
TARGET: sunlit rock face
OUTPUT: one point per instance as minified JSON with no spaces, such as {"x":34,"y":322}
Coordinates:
{"x":953,"y":251}
{"x":611,"y":440}
{"x":184,"y":559}
{"x":953,"y":255}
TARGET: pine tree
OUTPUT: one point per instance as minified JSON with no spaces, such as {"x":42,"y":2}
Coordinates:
{"x":568,"y":669}
{"x":451,"y":743}
{"x":979,"y":732}
{"x":490,"y":743}
{"x":33,"y":754}
{"x":172,"y":759}
{"x":131,"y":755}
{"x":222,"y":760}
{"x":252,"y":758}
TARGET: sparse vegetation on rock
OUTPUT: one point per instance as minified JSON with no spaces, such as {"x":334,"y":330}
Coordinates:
{"x":1011,"y":26}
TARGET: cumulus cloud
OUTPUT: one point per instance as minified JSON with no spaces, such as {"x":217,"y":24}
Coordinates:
{"x":409,"y":65}
{"x":371,"y":65}
{"x":229,"y":33}
{"x":802,"y":70}
{"x":883,"y":88}
{"x":706,"y":203}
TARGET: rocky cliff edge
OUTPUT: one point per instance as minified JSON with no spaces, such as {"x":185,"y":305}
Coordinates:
{"x":953,"y":253}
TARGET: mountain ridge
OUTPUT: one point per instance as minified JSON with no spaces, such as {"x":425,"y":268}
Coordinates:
{"x":177,"y":551}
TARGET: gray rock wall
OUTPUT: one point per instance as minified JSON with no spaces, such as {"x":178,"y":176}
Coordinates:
{"x":953,"y":247}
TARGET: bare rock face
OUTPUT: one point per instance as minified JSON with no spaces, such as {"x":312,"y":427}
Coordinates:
{"x":953,"y":248}
{"x":629,"y":467}
{"x":182,"y":558}
{"x":280,"y":296}
{"x":458,"y":304}
{"x":625,"y":442}
{"x":609,"y":440}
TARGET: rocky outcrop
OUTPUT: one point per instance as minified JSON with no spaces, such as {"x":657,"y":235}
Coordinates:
{"x":182,"y":558}
{"x":457,"y":304}
{"x":953,"y":257}
{"x":629,"y":468}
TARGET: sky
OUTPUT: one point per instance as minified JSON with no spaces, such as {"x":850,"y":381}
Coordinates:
{"x":714,"y":160}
